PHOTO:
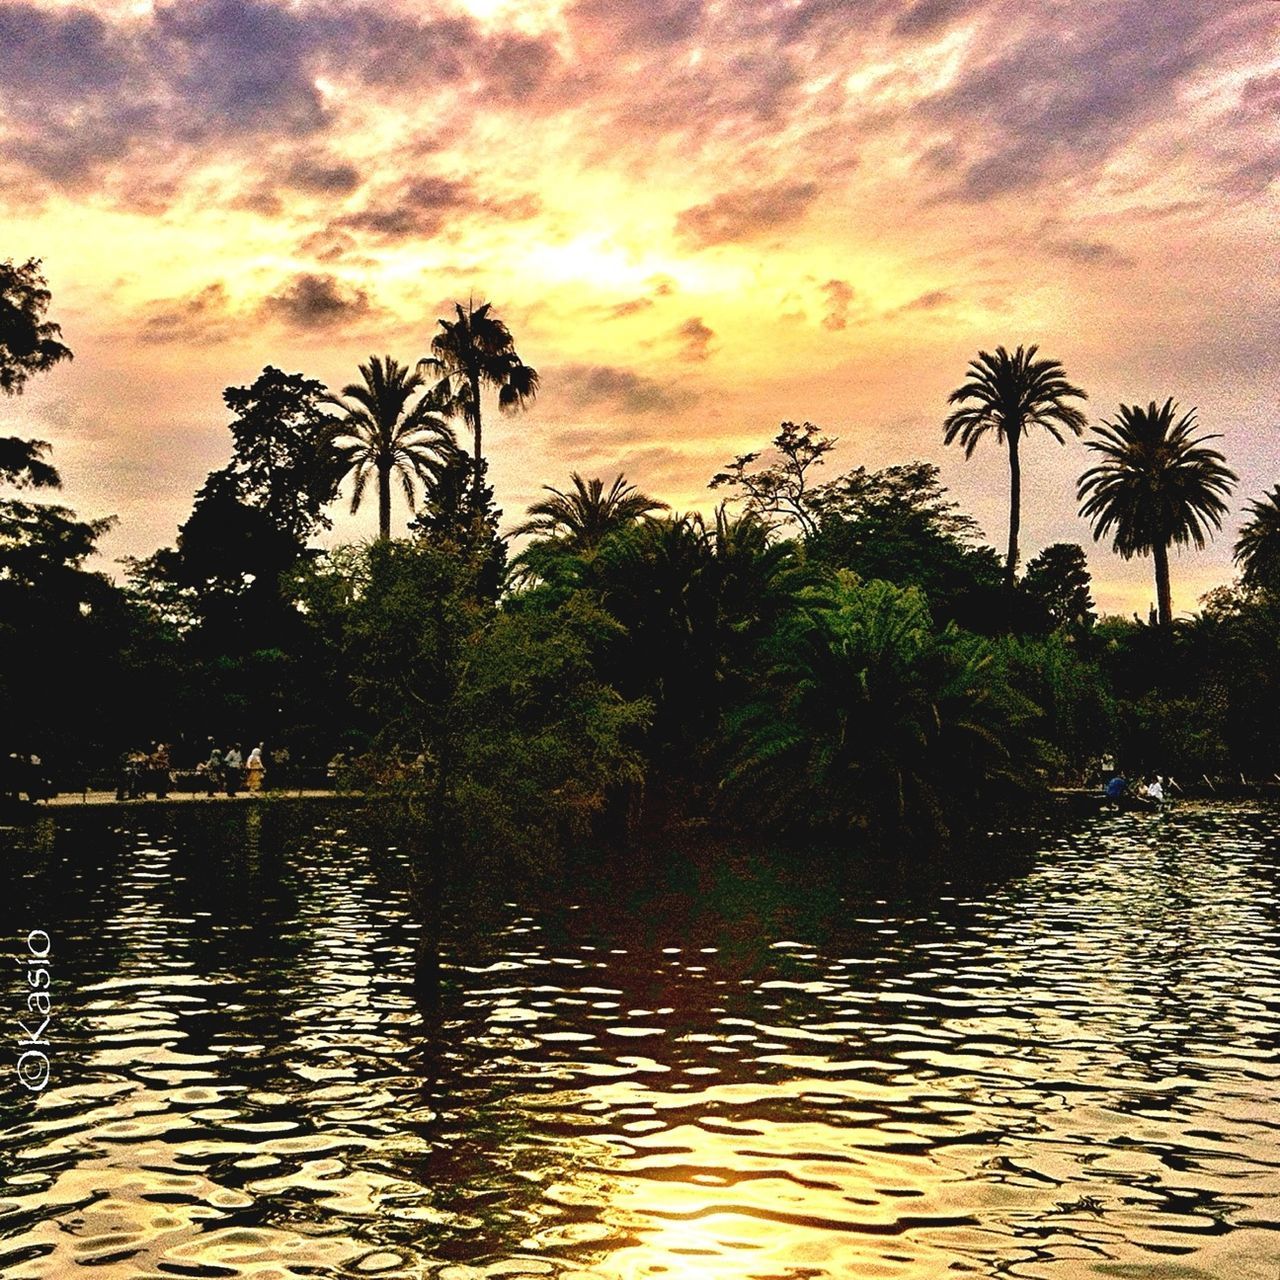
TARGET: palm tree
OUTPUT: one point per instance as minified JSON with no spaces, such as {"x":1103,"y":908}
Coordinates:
{"x":383,"y":437}
{"x":1156,"y":484}
{"x":1010,"y":394}
{"x":1257,"y":550}
{"x":474,"y":351}
{"x":583,"y":517}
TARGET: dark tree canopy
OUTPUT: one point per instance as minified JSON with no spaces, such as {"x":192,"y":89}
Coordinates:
{"x":1059,"y":578}
{"x":586,"y":513}
{"x":1257,"y":551}
{"x":285,"y":461}
{"x":23,"y":465}
{"x":899,"y":526}
{"x":28,"y":342}
{"x":1156,"y":485}
{"x":474,"y":351}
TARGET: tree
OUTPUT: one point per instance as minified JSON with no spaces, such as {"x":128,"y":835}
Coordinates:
{"x":1257,"y":550}
{"x":285,"y":458}
{"x":1059,"y":578}
{"x":473,"y":352}
{"x":251,"y":519}
{"x":52,"y":652}
{"x":23,"y":465}
{"x":780,"y":493}
{"x":1156,"y":486}
{"x":28,"y":342}
{"x":386,"y":436}
{"x":581,"y":518}
{"x":898,"y":525}
{"x":450,"y":517}
{"x":867,"y":718}
{"x":1010,"y":394}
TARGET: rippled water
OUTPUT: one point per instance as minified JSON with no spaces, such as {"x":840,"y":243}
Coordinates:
{"x":708,"y":1065}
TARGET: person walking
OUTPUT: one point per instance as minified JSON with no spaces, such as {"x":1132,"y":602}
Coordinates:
{"x":234,"y":769}
{"x":214,"y":768}
{"x":254,"y":770}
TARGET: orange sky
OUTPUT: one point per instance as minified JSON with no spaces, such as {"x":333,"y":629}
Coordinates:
{"x":697,"y":218}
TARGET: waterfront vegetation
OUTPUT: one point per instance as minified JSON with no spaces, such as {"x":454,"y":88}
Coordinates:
{"x":821,"y":652}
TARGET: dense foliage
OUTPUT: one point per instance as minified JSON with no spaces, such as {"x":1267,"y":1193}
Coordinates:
{"x":839,"y":655}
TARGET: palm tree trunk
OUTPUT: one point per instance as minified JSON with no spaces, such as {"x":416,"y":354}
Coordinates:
{"x":384,"y":502}
{"x":1164,"y":596}
{"x":475,"y":427}
{"x":1015,"y":508}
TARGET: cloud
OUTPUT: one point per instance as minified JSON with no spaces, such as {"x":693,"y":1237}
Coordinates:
{"x":328,"y":245}
{"x":925,"y":16}
{"x":312,"y":301}
{"x":695,"y":339}
{"x":590,"y":386}
{"x":81,"y":94}
{"x":418,"y":208}
{"x":203,"y":316}
{"x":933,"y":300}
{"x":839,"y":296}
{"x":1089,"y":252}
{"x":423,"y":207}
{"x":322,"y":175}
{"x":633,"y":306}
{"x":1044,"y":100}
{"x":745,"y":213}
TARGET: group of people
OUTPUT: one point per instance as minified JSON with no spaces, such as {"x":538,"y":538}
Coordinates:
{"x":231,"y":770}
{"x":151,"y":772}
{"x":141,"y":772}
{"x":1150,"y":792}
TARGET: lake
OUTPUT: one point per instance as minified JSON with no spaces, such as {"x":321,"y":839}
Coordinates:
{"x":704,"y":1063}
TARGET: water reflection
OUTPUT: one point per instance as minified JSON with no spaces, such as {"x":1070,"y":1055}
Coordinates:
{"x":706,"y":1066}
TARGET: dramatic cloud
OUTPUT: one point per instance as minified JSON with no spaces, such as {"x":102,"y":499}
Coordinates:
{"x":1052,"y":99}
{"x":204,"y":316}
{"x":616,"y":389}
{"x":699,"y":219}
{"x":317,"y":302}
{"x":695,"y":340}
{"x":740,"y":215}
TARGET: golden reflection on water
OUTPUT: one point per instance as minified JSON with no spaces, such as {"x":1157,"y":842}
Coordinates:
{"x":1068,"y":1073}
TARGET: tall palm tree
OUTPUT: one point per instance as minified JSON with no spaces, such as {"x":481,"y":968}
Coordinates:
{"x":584,"y":516}
{"x":383,"y":435}
{"x":1156,"y":485}
{"x":1010,"y":394}
{"x":474,"y":351}
{"x":1257,"y":550}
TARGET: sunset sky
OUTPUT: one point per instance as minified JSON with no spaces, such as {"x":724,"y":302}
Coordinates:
{"x":698,"y":219}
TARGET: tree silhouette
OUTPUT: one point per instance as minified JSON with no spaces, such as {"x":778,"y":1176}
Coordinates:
{"x":1010,"y":394}
{"x":781,"y":492}
{"x":1059,"y":578}
{"x":23,"y":465}
{"x":384,"y":437}
{"x":1257,"y":550}
{"x":1156,"y":485}
{"x":586,"y":514}
{"x":474,"y":351}
{"x":28,"y":342}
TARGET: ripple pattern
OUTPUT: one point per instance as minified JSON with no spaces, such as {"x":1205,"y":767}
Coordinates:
{"x":710,"y":1066}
